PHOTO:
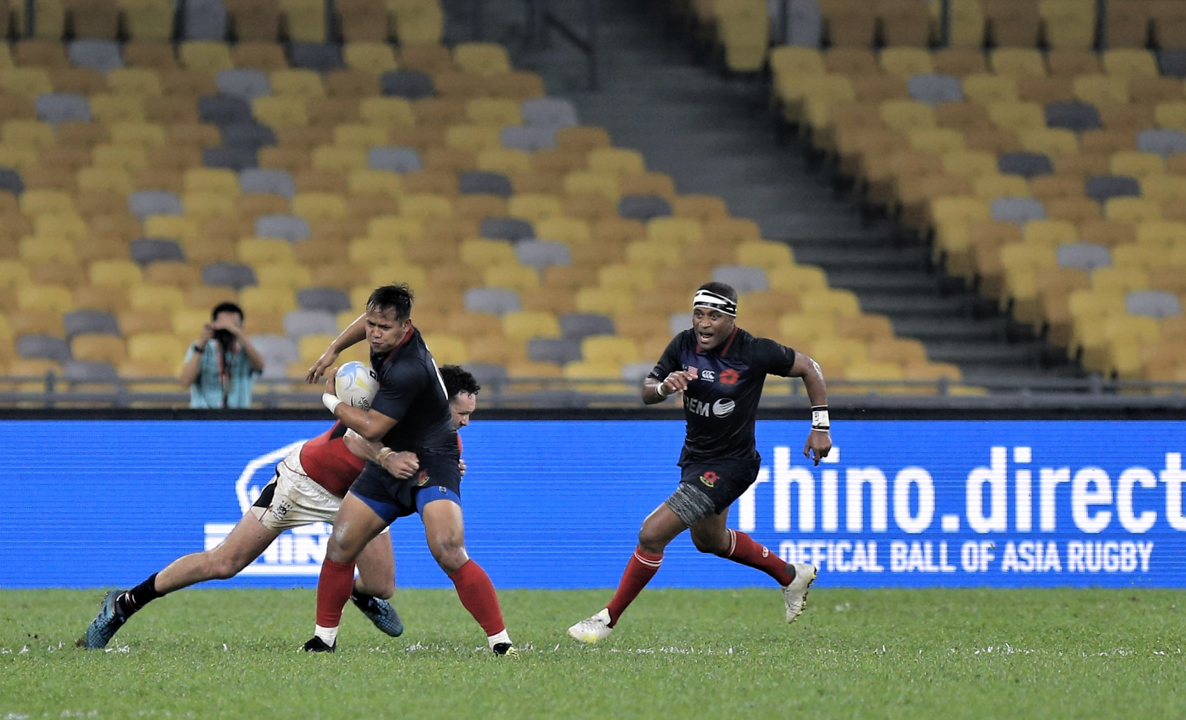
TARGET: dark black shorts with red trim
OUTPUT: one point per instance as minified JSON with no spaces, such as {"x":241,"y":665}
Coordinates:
{"x":719,"y":482}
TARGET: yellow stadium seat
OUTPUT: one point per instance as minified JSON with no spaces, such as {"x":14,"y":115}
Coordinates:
{"x":606,"y":301}
{"x":1162,"y":233}
{"x":482,"y":58}
{"x":1068,"y":23}
{"x":393,"y":229}
{"x":125,"y":157}
{"x":253,"y":250}
{"x":683,"y":231}
{"x":1132,"y":210}
{"x":803,"y":329}
{"x":206,"y":56}
{"x":838,"y":352}
{"x":1171,"y":115}
{"x":359,"y":136}
{"x":46,"y":202}
{"x":834,"y":302}
{"x":386,"y":112}
{"x":424,"y":206}
{"x":374,"y":182}
{"x":1163,"y":188}
{"x":474,"y":138}
{"x":507,"y":161}
{"x":25,"y":81}
{"x":633,"y":277}
{"x":1049,"y":233}
{"x":104,"y":179}
{"x":208,"y":205}
{"x":616,"y":161}
{"x":27,"y":132}
{"x":906,"y":115}
{"x":305,"y":20}
{"x":653,"y":253}
{"x":596,"y":183}
{"x":1051,"y":141}
{"x":291,"y":276}
{"x":609,"y":349}
{"x":171,"y":226}
{"x":797,"y":279}
{"x":904,"y":62}
{"x":571,"y":231}
{"x":20,"y":157}
{"x":765,"y":254}
{"x":319,"y":206}
{"x":1101,"y":90}
{"x":1122,"y":279}
{"x":988,"y":89}
{"x":340,"y":159}
{"x":447,"y":349}
{"x":100,"y":348}
{"x":156,"y":297}
{"x":511,"y":276}
{"x":372,"y":57}
{"x":137,"y":133}
{"x":301,"y":83}
{"x":523,"y":326}
{"x":371,"y":251}
{"x":1146,"y":257}
{"x":1017,"y":62}
{"x":937,"y":141}
{"x":970,"y":163}
{"x":793,"y":61}
{"x":1130,"y":62}
{"x":990,"y":187}
{"x":414,"y":275}
{"x":13,"y":273}
{"x":217,"y":181}
{"x":1017,"y":116}
{"x":110,"y":109}
{"x":134,"y":81}
{"x":47,"y":250}
{"x":417,"y":22}
{"x":535,"y":207}
{"x":280,"y":112}
{"x":481,"y":252}
{"x":267,"y":299}
{"x":1023,"y":256}
{"x":499,"y":112}
{"x":54,"y":299}
{"x":1136,"y":164}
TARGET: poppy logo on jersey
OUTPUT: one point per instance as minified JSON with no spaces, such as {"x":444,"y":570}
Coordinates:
{"x":422,"y":478}
{"x":729,"y":377}
{"x":723,"y":408}
{"x":710,"y":478}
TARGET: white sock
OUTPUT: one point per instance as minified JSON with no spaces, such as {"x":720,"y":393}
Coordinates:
{"x":328,"y":635}
{"x":501,"y":637}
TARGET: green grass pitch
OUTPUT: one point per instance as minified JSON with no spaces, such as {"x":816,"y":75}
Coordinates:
{"x":676,"y":654}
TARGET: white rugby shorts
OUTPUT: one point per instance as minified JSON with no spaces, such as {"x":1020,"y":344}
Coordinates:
{"x":293,"y":499}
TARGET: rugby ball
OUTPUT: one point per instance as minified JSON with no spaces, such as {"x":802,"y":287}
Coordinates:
{"x":356,"y":384}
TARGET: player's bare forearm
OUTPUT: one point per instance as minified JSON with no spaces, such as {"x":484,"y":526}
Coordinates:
{"x":361,"y":447}
{"x":650,"y":392}
{"x":813,"y":379}
{"x":351,"y":336}
{"x":372,"y":426}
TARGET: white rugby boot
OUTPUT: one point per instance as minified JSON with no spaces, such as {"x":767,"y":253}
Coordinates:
{"x":795,"y":594}
{"x":591,"y":630}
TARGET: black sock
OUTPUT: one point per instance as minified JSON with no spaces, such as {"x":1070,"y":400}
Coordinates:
{"x":360,"y":597}
{"x":139,"y":596}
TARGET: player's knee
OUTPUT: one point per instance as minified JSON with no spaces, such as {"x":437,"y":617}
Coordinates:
{"x":224,"y":566}
{"x":650,"y":541}
{"x":377,"y":588}
{"x":450,"y":554}
{"x":711,"y":544}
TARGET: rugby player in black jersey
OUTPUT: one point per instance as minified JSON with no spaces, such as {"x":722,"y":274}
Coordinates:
{"x":415,"y":470}
{"x":720,"y":369}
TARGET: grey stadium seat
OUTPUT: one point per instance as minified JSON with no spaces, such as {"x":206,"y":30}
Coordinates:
{"x":249,"y":134}
{"x":528,"y":138}
{"x":394,"y":159}
{"x":101,"y":55}
{"x":409,"y":84}
{"x":488,"y":375}
{"x":144,"y":203}
{"x":204,"y":20}
{"x":1018,"y":209}
{"x":743,"y":278}
{"x":43,"y":347}
{"x":576,"y":326}
{"x":277,"y":351}
{"x":805,"y":24}
{"x":10,"y":181}
{"x":1025,"y":164}
{"x":230,"y":157}
{"x":94,"y":322}
{"x":491,"y":300}
{"x":1106,"y":187}
{"x":236,"y":275}
{"x":320,"y":298}
{"x":548,"y":112}
{"x":319,"y":57}
{"x":1074,"y":116}
{"x":507,"y":228}
{"x":289,"y":227}
{"x":935,"y":88}
{"x":62,"y":107}
{"x":678,"y":322}
{"x":643,"y":207}
{"x":267,"y":180}
{"x":149,"y":250}
{"x":1084,"y":256}
{"x":1164,"y":142}
{"x":1172,"y":63}
{"x":222,"y":110}
{"x":1154,"y":303}
{"x":541,"y":254}
{"x":637,"y":372}
{"x":554,"y":350}
{"x":79,"y":371}
{"x":245,"y":83}
{"x":482,"y":182}
{"x":309,"y":322}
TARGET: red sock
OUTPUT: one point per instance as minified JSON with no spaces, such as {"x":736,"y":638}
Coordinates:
{"x":639,"y":571}
{"x":477,"y":595}
{"x":333,"y":590}
{"x":744,"y":550}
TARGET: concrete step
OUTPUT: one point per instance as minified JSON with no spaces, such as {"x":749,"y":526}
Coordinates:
{"x":918,"y":306}
{"x":865,"y":281}
{"x":938,"y":329}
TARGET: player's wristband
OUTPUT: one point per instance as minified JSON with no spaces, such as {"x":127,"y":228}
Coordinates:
{"x":331,"y":402}
{"x":819,"y":418}
{"x":659,"y":390}
{"x":383,"y":454}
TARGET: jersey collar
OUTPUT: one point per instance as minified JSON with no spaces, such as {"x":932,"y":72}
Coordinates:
{"x":394,"y":350}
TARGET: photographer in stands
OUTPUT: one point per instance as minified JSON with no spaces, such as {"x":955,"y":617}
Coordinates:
{"x":222,"y":365}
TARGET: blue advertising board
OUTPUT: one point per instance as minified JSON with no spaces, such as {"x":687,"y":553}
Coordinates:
{"x":558,"y":503}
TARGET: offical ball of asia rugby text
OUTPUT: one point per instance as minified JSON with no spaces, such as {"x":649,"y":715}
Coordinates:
{"x":356,"y":384}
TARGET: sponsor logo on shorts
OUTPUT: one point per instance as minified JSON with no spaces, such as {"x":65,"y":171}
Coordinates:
{"x":729,"y":377}
{"x":723,"y":408}
{"x":422,"y":478}
{"x":710,"y":478}
{"x":708,"y":375}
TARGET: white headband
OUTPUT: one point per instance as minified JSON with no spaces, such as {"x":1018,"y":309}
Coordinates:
{"x":712,"y":301}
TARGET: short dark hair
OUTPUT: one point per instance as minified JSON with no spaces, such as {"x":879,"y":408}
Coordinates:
{"x":392,"y":297}
{"x":458,"y":380}
{"x":721,"y":289}
{"x":226,"y":307}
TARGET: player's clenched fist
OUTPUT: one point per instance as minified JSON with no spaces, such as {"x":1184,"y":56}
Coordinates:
{"x":677,"y":381}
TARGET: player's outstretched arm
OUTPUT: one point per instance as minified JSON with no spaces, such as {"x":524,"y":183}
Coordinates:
{"x":371,"y":425}
{"x":352,"y":335}
{"x":654,"y":391}
{"x":401,"y":465}
{"x":819,"y":440}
